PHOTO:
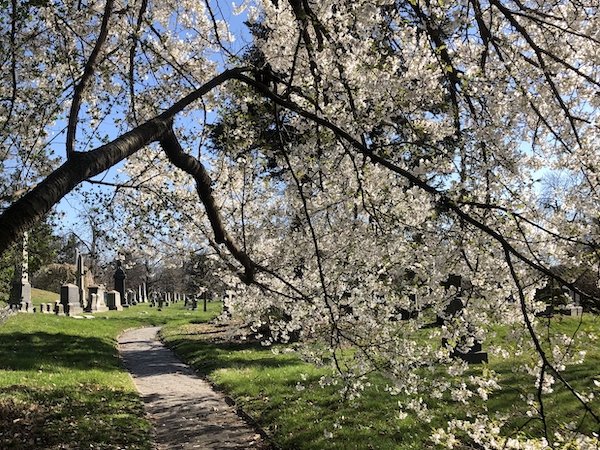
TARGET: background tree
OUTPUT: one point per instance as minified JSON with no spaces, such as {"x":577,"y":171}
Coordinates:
{"x":44,"y":246}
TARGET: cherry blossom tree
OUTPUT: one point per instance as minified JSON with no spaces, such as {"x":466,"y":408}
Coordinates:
{"x":354,"y":159}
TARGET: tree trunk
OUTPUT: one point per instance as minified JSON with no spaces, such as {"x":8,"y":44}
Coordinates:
{"x":30,"y":208}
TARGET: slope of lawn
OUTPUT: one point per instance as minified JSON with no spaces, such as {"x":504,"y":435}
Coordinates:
{"x":40,"y":296}
{"x":62,"y":384}
{"x":284,"y":395}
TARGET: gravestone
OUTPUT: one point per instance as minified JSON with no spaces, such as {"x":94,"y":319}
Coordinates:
{"x":113,"y":301}
{"x":59,"y":308}
{"x":69,"y":299}
{"x":227,"y":303}
{"x":153,"y":298}
{"x":131,"y":297}
{"x":96,"y":302}
{"x":119,"y":278}
{"x":572,"y":310}
{"x":473,"y":354}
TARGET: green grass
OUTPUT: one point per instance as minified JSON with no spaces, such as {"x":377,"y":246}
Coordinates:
{"x":62,"y":384}
{"x":40,"y":296}
{"x":284,"y":395}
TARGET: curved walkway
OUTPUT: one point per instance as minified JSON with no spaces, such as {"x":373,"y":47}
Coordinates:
{"x":186,"y":411}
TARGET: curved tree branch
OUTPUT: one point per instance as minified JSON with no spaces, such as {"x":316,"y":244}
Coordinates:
{"x":195,"y":168}
{"x":26,"y":211}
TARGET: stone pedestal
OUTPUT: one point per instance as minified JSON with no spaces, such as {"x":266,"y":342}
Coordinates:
{"x":113,"y":301}
{"x":475,"y":355}
{"x":69,"y":298}
{"x":96,"y":304}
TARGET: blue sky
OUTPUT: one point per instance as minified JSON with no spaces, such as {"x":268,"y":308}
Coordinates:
{"x":72,"y":206}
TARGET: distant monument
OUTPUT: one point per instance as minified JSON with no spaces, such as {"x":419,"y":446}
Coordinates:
{"x":81,"y":280}
{"x":21,"y":292}
{"x":119,"y":278}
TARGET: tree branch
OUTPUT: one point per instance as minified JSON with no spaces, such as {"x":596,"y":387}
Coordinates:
{"x":88,"y":71}
{"x":26,"y":211}
{"x":195,"y":168}
{"x":440,"y":196}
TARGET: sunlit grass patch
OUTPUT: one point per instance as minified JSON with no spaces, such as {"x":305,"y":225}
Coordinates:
{"x":289,"y":400}
{"x":62,"y":384}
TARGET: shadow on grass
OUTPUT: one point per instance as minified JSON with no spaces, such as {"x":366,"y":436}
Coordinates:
{"x":31,"y":351}
{"x":207,"y":357}
{"x":88,"y":416}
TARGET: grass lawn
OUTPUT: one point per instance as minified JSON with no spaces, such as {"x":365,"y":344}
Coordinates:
{"x":284,"y":395}
{"x":62,"y":384}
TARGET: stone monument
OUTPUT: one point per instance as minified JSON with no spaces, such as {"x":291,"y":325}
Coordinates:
{"x":119,"y":278}
{"x":69,"y":299}
{"x":113,"y":300}
{"x":80,"y":281}
{"x":21,"y":292}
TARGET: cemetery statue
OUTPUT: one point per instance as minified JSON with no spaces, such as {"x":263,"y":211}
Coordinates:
{"x":80,"y":281}
{"x":119,"y":278}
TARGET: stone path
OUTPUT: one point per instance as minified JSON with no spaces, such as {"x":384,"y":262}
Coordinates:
{"x":186,"y":411}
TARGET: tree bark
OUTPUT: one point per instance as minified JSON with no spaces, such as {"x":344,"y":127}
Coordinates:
{"x":195,"y":168}
{"x":30,"y":208}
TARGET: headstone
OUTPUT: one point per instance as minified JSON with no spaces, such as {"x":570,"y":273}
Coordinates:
{"x":96,"y":301}
{"x":113,"y":301}
{"x":474,"y":354}
{"x":131,"y":297}
{"x":548,"y":312}
{"x":227,"y":303}
{"x":119,"y":278}
{"x":69,"y":298}
{"x":572,"y":310}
